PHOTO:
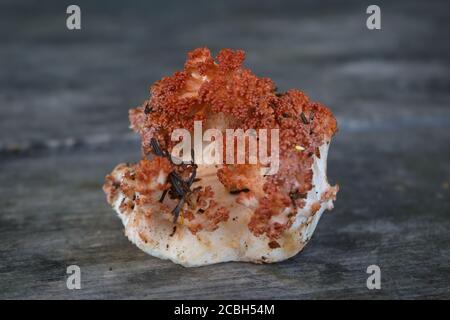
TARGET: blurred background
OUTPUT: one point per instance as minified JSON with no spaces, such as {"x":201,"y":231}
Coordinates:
{"x":64,"y":100}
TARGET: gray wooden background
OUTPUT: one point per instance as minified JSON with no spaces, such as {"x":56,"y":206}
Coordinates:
{"x":64,"y":97}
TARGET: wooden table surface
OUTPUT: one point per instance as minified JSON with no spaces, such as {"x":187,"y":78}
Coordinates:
{"x":64,"y":97}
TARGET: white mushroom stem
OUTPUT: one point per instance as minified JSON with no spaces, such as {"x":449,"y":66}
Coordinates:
{"x":232,"y":241}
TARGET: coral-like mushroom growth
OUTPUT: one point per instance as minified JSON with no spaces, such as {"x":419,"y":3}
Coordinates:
{"x":223,"y":94}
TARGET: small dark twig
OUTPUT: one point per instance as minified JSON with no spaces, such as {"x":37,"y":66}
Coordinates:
{"x":177,"y":209}
{"x":236,"y":191}
{"x":179,"y":188}
{"x":177,"y":183}
{"x":304,"y":119}
{"x":148,"y":109}
{"x":163,"y":195}
{"x":156,"y":147}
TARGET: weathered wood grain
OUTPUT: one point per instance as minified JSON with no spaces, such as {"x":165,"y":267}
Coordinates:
{"x":63,"y":126}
